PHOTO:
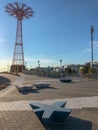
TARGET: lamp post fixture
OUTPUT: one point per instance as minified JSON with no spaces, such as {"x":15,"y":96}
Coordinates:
{"x":92,"y":31}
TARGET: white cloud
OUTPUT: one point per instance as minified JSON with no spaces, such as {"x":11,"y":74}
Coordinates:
{"x":28,"y":59}
{"x":95,"y":48}
{"x":40,"y":59}
{"x":43,"y":62}
{"x":4,"y":65}
{"x":95,"y":44}
{"x":86,"y":50}
{"x":47,"y":61}
{"x":1,"y":40}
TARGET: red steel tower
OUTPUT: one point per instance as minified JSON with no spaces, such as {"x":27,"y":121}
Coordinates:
{"x":19,"y":11}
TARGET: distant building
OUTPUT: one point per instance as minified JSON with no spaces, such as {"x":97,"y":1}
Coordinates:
{"x":95,"y":64}
{"x":56,"y":69}
{"x":76,"y":68}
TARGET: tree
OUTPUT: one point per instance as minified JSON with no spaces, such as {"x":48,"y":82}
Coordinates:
{"x":68,"y":70}
{"x":88,"y":70}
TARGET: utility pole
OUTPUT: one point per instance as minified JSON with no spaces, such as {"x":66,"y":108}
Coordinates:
{"x":38,"y":64}
{"x":60,"y":63}
{"x":92,"y":58}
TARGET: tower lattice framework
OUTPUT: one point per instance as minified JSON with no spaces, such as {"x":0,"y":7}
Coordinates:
{"x":19,"y":11}
{"x":18,"y":56}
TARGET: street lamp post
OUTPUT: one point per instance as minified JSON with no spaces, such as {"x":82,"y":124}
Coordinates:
{"x":60,"y":63}
{"x":38,"y":64}
{"x":92,"y":30}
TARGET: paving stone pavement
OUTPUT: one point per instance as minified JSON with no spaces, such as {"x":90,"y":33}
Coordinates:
{"x":9,"y":89}
{"x":73,"y":103}
{"x":15,"y":106}
{"x":77,"y":103}
{"x":19,"y":120}
{"x":18,"y":116}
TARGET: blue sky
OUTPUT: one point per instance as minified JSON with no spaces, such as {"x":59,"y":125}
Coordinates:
{"x":59,"y":29}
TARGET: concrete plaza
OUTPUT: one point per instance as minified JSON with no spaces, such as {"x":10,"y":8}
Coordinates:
{"x":81,"y":96}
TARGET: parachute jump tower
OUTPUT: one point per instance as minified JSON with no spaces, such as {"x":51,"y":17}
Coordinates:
{"x":20,"y":11}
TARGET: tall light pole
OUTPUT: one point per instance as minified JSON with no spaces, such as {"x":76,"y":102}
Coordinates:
{"x":60,"y":63}
{"x":92,"y":58}
{"x":38,"y":64}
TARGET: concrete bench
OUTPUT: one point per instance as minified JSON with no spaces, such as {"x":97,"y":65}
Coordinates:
{"x":48,"y":114}
{"x":66,"y":80}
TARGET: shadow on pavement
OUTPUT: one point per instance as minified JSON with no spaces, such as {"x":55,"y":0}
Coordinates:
{"x":29,"y":91}
{"x":25,"y":91}
{"x":50,"y":87}
{"x":4,"y":82}
{"x":72,"y":123}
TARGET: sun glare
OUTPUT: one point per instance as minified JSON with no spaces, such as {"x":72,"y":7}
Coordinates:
{"x":4,"y":66}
